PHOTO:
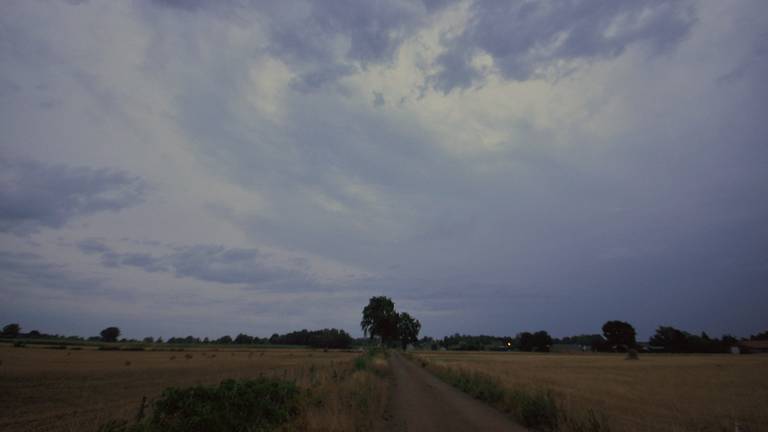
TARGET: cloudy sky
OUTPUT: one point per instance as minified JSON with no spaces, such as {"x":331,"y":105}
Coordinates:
{"x":181,"y":167}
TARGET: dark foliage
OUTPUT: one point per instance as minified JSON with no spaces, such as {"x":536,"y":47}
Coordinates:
{"x":110,"y":334}
{"x":234,"y":406}
{"x":539,"y":341}
{"x":619,"y":335}
{"x":11,"y":330}
{"x":325,"y":338}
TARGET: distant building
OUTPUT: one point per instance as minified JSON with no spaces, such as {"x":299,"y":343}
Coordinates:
{"x":753,"y":346}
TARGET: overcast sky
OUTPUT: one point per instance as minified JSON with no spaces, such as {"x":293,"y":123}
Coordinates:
{"x":203,"y":167}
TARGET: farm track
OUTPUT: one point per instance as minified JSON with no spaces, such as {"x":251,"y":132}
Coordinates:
{"x":421,"y":402}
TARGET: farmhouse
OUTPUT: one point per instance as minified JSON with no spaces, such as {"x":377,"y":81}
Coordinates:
{"x":753,"y":346}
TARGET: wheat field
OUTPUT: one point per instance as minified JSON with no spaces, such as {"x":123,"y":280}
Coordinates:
{"x":656,"y":393}
{"x":78,"y":390}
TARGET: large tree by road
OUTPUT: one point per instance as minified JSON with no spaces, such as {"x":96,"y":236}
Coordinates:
{"x":380,"y":319}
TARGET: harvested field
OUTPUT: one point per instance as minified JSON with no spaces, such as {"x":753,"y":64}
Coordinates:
{"x":655,"y":393}
{"x":77,"y":390}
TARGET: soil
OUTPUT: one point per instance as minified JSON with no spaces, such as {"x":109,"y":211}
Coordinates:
{"x":421,"y":402}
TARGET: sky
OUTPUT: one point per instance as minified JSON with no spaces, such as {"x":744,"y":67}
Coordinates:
{"x":204,"y":168}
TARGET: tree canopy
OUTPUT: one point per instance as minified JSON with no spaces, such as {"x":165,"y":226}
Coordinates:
{"x":11,"y":330}
{"x":408,"y":329}
{"x":619,"y":335}
{"x":110,"y":334}
{"x":381,"y":319}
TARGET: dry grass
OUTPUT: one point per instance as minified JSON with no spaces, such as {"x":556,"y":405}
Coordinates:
{"x":63,"y":390}
{"x":656,"y":393}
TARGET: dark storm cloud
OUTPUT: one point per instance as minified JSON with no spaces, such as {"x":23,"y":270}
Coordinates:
{"x":35,"y":195}
{"x":209,"y":263}
{"x":527,"y":39}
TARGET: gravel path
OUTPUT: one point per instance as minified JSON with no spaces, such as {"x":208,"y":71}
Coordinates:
{"x":421,"y":402}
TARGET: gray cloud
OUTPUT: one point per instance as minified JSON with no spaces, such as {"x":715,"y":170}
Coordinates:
{"x":633,"y":190}
{"x":20,"y":270}
{"x":210,"y":263}
{"x":530,"y":39}
{"x":35,"y":195}
{"x":325,"y":41}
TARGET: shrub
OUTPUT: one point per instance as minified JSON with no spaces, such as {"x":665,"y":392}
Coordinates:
{"x":361,"y":363}
{"x":246,"y":405}
{"x":235,"y":405}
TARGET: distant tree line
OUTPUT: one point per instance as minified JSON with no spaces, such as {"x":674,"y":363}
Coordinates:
{"x":381,"y":321}
{"x":325,"y":338}
{"x":617,"y":336}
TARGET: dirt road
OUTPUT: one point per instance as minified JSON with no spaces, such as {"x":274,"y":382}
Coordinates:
{"x":423,"y":403}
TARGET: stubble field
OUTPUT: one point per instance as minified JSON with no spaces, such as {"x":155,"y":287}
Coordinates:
{"x":656,"y":393}
{"x":78,"y":390}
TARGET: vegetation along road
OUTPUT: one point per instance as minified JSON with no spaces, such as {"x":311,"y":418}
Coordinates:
{"x":421,"y":402}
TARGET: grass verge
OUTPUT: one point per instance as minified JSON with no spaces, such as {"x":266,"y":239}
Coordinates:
{"x":538,"y":409}
{"x":346,"y":396}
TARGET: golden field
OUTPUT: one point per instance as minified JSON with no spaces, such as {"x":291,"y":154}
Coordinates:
{"x":656,"y":393}
{"x":78,"y":390}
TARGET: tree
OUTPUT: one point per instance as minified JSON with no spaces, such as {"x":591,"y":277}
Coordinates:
{"x":407,"y":329}
{"x":539,"y":341}
{"x":110,"y":334}
{"x":525,"y":341}
{"x":380,"y":319}
{"x":11,"y":330}
{"x":243,"y":338}
{"x":149,"y":339}
{"x":672,"y":339}
{"x":619,"y":335}
{"x":542,"y":341}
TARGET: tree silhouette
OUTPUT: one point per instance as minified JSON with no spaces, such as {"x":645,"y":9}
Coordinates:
{"x":619,"y":335}
{"x":408,"y":329}
{"x":670,"y":338}
{"x":380,"y":319}
{"x":11,"y":330}
{"x":110,"y":334}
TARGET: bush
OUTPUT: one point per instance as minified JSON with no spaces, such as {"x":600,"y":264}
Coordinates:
{"x":235,"y":405}
{"x":361,"y":363}
{"x":246,"y":405}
